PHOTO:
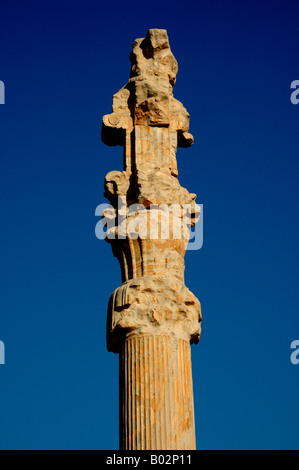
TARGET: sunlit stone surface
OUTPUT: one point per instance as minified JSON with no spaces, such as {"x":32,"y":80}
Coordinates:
{"x":152,"y":316}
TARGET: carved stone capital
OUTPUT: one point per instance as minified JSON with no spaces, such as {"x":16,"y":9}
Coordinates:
{"x":152,"y":305}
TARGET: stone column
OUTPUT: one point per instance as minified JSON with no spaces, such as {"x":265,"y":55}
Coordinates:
{"x":156,"y":395}
{"x":152,"y":317}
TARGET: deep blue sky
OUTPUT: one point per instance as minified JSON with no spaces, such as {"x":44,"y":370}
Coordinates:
{"x":61,"y":62}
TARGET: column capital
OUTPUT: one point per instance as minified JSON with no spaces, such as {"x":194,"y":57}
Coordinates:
{"x":153,"y":305}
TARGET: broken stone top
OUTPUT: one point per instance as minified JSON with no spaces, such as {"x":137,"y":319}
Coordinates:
{"x":147,"y":99}
{"x":151,"y":57}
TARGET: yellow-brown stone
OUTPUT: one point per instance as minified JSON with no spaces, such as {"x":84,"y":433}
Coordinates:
{"x":152,"y":316}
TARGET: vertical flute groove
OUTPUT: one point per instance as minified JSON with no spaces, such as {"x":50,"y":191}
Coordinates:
{"x":157,"y":408}
{"x":152,"y":436}
{"x":134,"y":401}
{"x":147,"y":401}
{"x":130,"y":385}
{"x":165,"y":386}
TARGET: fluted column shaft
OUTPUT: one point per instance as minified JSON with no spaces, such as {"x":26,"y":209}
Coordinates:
{"x":156,"y":394}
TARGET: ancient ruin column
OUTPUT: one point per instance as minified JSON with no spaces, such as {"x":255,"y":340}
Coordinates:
{"x":152,"y":317}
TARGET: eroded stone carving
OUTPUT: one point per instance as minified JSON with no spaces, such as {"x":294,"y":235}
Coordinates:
{"x":153,"y":300}
{"x":180,"y":315}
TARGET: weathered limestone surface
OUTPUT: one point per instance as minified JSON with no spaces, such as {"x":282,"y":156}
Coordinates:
{"x":152,"y":316}
{"x":156,"y":396}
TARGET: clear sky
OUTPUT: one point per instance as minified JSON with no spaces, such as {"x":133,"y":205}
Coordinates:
{"x":61,"y":62}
